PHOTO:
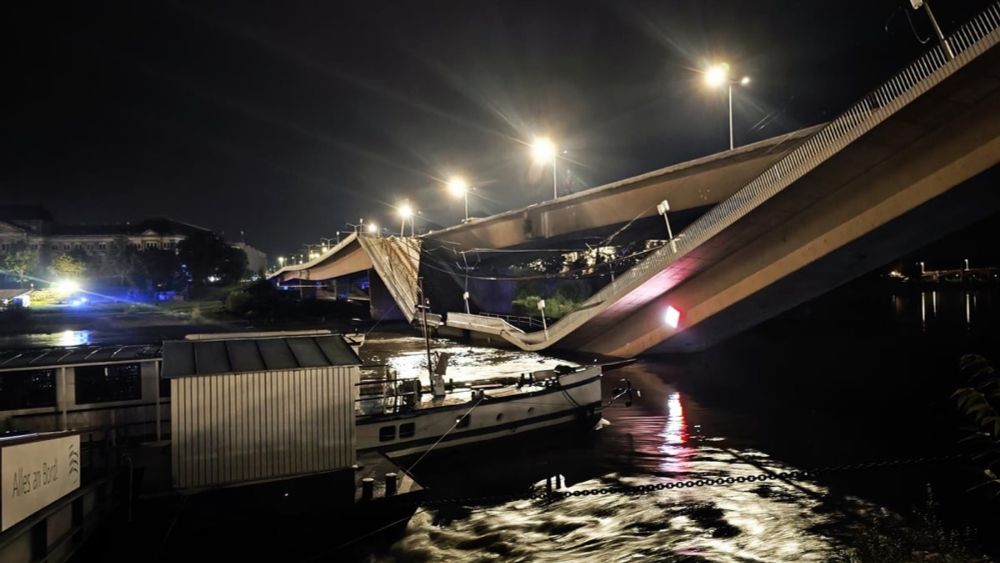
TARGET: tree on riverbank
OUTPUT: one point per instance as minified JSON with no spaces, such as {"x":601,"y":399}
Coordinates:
{"x":66,"y":266}
{"x":208,"y":258}
{"x":979,"y":403}
{"x":20,"y":261}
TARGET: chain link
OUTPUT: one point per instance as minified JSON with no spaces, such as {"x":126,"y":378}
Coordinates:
{"x":635,"y":490}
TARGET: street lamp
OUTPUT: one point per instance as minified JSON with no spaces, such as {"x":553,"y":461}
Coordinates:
{"x":544,"y":151}
{"x":663,"y":208}
{"x":405,"y":212}
{"x":281,"y":261}
{"x":545,"y":325}
{"x":460,"y":188}
{"x":717,"y":75}
{"x":372,"y":228}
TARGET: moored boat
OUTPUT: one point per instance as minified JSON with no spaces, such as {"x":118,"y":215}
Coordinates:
{"x":396,"y":416}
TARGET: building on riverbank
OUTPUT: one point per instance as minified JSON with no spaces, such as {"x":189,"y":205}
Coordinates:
{"x":29,"y":227}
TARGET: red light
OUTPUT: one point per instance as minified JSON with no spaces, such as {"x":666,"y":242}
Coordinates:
{"x":672,"y":317}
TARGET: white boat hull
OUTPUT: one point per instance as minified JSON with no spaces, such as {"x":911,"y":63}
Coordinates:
{"x":576,"y":398}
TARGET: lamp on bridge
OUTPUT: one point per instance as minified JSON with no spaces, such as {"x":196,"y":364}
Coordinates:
{"x":458,"y":187}
{"x":672,"y":317}
{"x":405,"y":213}
{"x":372,"y":229}
{"x":281,"y":261}
{"x":717,"y":75}
{"x":662,"y":208}
{"x":545,"y":325}
{"x":543,"y":150}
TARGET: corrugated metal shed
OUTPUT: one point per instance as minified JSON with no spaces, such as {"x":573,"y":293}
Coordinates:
{"x":251,"y":409}
{"x":184,"y":358}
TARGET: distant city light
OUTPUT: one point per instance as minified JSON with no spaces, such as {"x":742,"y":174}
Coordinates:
{"x":543,"y":150}
{"x":213,"y":279}
{"x":672,"y":317}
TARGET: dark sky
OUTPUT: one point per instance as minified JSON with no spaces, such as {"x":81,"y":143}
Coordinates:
{"x":288,"y":119}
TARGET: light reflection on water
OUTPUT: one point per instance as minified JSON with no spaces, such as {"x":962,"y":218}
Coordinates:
{"x":659,"y":439}
{"x":408,"y":356}
{"x":47,"y":340}
{"x":942,"y":309}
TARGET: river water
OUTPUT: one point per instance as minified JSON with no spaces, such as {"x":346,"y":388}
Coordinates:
{"x":856,"y":376}
{"x":862,"y":374}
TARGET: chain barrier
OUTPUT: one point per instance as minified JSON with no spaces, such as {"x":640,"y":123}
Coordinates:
{"x":635,"y":490}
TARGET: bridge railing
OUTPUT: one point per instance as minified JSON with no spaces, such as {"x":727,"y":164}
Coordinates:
{"x":967,"y":42}
{"x":516,"y":320}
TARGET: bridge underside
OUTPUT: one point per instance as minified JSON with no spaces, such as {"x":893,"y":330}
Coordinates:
{"x":884,"y":195}
{"x":688,"y":186}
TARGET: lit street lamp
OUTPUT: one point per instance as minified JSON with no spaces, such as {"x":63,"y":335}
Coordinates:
{"x":372,"y":228}
{"x":717,"y":75}
{"x":460,"y":188}
{"x":544,"y":151}
{"x":405,"y":212}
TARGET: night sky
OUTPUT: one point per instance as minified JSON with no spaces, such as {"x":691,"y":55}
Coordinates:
{"x":288,"y":119}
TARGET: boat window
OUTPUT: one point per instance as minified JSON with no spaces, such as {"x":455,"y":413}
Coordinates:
{"x":104,"y":384}
{"x":463,"y":422}
{"x":386,"y":433}
{"x":27,"y":389}
{"x":407,"y":430}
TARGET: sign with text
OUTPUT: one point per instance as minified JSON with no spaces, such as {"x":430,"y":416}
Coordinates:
{"x":36,"y":474}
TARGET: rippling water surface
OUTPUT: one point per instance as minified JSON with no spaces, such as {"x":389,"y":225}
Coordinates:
{"x":665,"y":436}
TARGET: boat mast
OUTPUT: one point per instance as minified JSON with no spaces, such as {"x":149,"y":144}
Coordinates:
{"x":427,"y":337}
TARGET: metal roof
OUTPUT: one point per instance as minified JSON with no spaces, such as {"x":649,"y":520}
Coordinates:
{"x":40,"y":358}
{"x":184,"y":358}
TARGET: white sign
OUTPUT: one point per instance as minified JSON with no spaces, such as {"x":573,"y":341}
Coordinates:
{"x":36,"y":474}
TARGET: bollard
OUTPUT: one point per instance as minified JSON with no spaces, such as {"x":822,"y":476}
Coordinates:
{"x":367,"y":488}
{"x":390,"y":484}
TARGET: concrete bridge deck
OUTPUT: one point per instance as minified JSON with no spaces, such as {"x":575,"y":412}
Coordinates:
{"x":841,"y":199}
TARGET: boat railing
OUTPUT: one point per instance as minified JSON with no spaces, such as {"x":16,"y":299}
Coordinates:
{"x":389,"y":394}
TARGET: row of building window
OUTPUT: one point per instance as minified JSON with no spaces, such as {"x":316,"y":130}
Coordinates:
{"x":31,"y":389}
{"x":94,"y":246}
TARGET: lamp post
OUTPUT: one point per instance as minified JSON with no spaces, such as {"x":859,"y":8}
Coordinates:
{"x":917,"y":4}
{"x":371,"y":228}
{"x":545,"y":325}
{"x":662,"y":208}
{"x":460,"y":188}
{"x":717,"y":75}
{"x":544,"y":151}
